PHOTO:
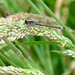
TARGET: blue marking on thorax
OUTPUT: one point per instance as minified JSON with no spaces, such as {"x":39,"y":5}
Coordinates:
{"x":32,"y":23}
{"x":27,"y":22}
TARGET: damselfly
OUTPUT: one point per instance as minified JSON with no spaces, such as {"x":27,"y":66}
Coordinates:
{"x":33,"y":23}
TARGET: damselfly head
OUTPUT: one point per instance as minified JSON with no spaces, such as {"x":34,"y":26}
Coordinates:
{"x":26,"y":22}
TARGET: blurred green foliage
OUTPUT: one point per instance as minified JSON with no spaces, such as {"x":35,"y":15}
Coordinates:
{"x":38,"y":56}
{"x":71,"y":16}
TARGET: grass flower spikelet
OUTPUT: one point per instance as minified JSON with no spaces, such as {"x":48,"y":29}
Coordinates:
{"x":13,"y":27}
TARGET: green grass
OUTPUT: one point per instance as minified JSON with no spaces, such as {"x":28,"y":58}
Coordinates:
{"x":39,"y":52}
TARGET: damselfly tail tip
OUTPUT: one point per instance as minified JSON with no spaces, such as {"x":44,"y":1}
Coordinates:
{"x":62,"y":28}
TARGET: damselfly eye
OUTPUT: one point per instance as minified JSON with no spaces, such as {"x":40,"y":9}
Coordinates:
{"x":26,"y":22}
